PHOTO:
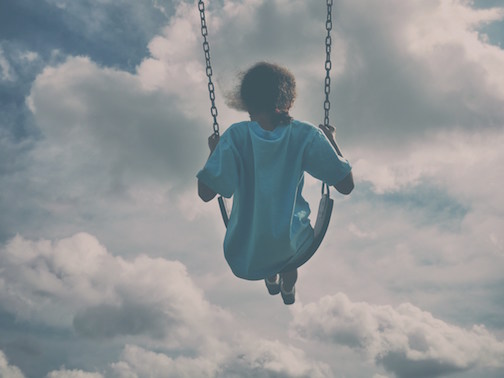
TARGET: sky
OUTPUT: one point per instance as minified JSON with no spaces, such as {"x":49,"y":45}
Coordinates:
{"x":111,"y":266}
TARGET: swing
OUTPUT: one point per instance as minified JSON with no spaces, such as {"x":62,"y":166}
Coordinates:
{"x":326,"y":202}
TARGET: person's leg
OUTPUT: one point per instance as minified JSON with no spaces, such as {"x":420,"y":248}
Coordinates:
{"x":288,"y":280}
{"x":273,"y":284}
{"x":273,"y":278}
{"x":287,"y":288}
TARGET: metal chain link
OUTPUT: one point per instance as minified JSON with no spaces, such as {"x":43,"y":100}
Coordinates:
{"x":328,"y":63}
{"x":209,"y":72}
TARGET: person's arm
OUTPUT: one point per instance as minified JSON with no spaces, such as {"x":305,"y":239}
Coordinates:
{"x":346,"y":185}
{"x":204,"y":192}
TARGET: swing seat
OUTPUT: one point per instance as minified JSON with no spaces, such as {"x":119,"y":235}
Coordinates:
{"x":223,"y":210}
{"x":323,"y":218}
{"x":321,"y":224}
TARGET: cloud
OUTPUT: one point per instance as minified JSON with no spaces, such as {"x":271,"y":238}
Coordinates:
{"x":448,"y":183}
{"x":8,"y":371}
{"x":446,"y":159}
{"x":404,"y":339}
{"x":151,"y":304}
{"x":414,"y":67}
{"x":272,"y":359}
{"x":105,"y":321}
{"x":120,"y":136}
{"x":64,"y":373}
{"x":422,"y":244}
{"x":139,"y":362}
{"x":105,"y":119}
{"x":6,"y":73}
{"x":249,"y":358}
{"x":103,"y":138}
{"x":114,"y":33}
{"x":76,"y":282}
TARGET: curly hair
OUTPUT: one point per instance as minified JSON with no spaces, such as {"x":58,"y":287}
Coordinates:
{"x":266,"y":87}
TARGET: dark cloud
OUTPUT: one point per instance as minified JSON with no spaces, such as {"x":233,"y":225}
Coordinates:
{"x":428,"y":205}
{"x":111,"y":33}
{"x":106,"y":321}
{"x":404,"y":367}
{"x":16,"y":121}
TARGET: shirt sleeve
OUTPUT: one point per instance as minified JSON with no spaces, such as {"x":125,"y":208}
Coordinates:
{"x":322,"y":162}
{"x":220,"y":172}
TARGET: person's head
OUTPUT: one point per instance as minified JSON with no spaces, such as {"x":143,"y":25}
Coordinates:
{"x":266,"y":88}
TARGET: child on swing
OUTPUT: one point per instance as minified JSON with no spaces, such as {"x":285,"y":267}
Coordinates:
{"x":261,"y":163}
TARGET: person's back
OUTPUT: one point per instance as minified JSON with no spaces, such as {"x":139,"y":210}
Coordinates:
{"x":262,"y":163}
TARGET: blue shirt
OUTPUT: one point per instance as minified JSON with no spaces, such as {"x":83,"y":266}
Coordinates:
{"x":264,"y":172}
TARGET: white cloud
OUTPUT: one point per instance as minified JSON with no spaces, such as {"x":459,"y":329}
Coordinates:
{"x":413,"y":67}
{"x":453,"y":25}
{"x":75,"y":281}
{"x":139,"y":362}
{"x":107,"y":144}
{"x":463,"y":168}
{"x":404,"y":339}
{"x":105,"y":123}
{"x":272,"y":358}
{"x":454,"y":161}
{"x":360,"y":233}
{"x":64,"y":373}
{"x":8,"y":371}
{"x":249,"y":357}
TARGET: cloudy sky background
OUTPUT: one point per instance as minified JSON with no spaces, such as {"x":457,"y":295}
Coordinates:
{"x":110,"y":266}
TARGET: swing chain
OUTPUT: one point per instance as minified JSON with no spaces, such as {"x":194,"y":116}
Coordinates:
{"x":328,"y":63}
{"x":209,"y":72}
